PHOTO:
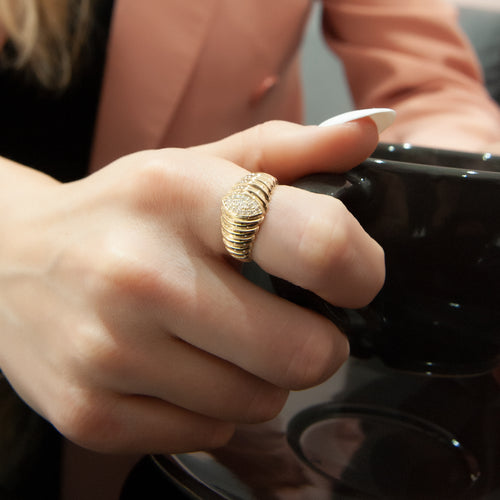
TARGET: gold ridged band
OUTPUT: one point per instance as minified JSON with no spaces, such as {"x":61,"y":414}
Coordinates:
{"x":242,"y":211}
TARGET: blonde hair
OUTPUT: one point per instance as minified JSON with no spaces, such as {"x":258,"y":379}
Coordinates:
{"x":47,"y":36}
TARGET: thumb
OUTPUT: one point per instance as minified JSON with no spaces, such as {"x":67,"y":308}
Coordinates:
{"x":290,"y":151}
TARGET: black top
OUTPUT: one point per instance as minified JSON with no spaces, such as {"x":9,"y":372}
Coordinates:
{"x":52,"y":131}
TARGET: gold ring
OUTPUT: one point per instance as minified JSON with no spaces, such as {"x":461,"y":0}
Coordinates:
{"x":242,"y":211}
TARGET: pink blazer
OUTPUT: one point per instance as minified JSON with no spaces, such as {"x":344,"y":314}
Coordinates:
{"x":180,"y":73}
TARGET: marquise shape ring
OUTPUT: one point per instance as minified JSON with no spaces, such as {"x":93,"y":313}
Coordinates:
{"x":242,"y":212}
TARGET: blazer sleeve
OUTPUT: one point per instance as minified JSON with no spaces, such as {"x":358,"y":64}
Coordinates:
{"x":412,"y":56}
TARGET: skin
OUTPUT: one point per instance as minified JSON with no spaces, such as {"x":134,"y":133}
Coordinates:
{"x":124,"y":322}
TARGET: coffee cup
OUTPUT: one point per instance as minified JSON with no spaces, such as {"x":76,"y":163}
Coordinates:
{"x":436,"y":213}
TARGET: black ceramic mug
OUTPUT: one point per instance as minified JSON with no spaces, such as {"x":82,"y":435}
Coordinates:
{"x":437,"y":216}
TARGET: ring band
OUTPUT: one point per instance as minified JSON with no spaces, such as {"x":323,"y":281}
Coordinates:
{"x":242,"y":212}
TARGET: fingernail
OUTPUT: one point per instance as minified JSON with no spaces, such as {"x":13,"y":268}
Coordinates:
{"x":382,"y":117}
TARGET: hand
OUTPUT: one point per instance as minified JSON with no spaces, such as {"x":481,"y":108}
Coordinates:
{"x":124,"y":322}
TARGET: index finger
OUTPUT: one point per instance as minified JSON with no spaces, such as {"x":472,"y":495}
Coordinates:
{"x":290,"y":151}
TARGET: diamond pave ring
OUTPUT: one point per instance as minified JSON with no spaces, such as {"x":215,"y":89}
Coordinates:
{"x":242,"y":211}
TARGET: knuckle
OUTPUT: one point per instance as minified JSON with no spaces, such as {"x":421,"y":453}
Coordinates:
{"x":86,"y":421}
{"x":216,"y":435}
{"x":122,"y":279}
{"x":151,"y":174}
{"x":256,"y":156}
{"x":137,"y":182}
{"x":94,"y":350}
{"x":123,"y":271}
{"x":157,"y":184}
{"x":126,"y":277}
{"x":312,"y":362}
{"x":146,"y":285}
{"x":265,"y":404}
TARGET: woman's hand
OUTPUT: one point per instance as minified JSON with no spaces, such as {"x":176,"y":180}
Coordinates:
{"x":124,"y":322}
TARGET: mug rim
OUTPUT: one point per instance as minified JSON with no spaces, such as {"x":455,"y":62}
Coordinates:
{"x":490,"y":164}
